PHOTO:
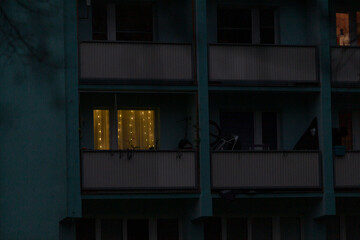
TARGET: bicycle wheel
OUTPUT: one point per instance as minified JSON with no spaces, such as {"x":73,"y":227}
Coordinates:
{"x":215,"y":132}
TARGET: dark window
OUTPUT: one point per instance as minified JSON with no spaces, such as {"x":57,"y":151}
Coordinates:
{"x":240,"y":124}
{"x":167,"y":229}
{"x":212,"y":229}
{"x":290,"y":229}
{"x":85,"y":229}
{"x":352,"y":228}
{"x":267,"y":35}
{"x":269,"y":129}
{"x":138,"y":229}
{"x":236,"y":229}
{"x":111,"y":229}
{"x":134,"y":23}
{"x":261,"y":229}
{"x":234,"y":25}
{"x":99,"y":22}
{"x":333,"y":229}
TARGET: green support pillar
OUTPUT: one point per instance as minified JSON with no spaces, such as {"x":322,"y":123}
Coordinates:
{"x":205,"y":205}
{"x":325,"y":123}
{"x":72,"y":110}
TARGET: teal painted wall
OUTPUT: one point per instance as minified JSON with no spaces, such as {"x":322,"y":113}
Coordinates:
{"x":171,"y":111}
{"x":33,"y":167}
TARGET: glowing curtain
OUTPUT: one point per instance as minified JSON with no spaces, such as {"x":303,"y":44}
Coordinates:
{"x":101,"y":130}
{"x":136,"y":129}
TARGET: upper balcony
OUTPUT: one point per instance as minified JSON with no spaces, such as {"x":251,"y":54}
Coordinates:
{"x":266,"y":44}
{"x":136,"y":43}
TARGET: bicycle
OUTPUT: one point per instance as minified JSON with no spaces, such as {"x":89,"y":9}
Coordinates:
{"x":218,"y":142}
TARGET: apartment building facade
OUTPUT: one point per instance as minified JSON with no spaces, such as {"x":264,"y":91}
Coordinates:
{"x":181,"y":119}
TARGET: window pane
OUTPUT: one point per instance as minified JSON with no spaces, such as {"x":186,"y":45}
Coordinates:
{"x":352,"y":228}
{"x":101,"y":130}
{"x":343,"y":135}
{"x":267,"y":34}
{"x":236,"y":229}
{"x":261,"y":229}
{"x":212,"y":229}
{"x":290,"y":229}
{"x":111,"y":229}
{"x":134,"y":22}
{"x":99,"y":22}
{"x":342,"y":29}
{"x":136,"y":129}
{"x":234,"y":25}
{"x":333,"y":229}
{"x":358,"y":27}
{"x":240,"y":124}
{"x":85,"y":229}
{"x":137,"y":229}
{"x":167,"y":229}
{"x":269,"y":129}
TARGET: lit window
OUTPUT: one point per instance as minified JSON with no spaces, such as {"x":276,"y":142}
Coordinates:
{"x":101,"y":130}
{"x":136,"y":129}
{"x":342,"y":29}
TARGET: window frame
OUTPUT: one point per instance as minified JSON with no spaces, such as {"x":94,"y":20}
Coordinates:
{"x":111,"y":20}
{"x":152,"y":225}
{"x":255,"y":23}
{"x":257,"y":118}
{"x":113,"y":141}
{"x":354,"y":38}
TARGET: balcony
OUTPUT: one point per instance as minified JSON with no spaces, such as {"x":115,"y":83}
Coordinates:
{"x":110,"y":171}
{"x":347,"y":169}
{"x":266,"y":170}
{"x":262,"y":64}
{"x":345,"y":65}
{"x":133,"y":62}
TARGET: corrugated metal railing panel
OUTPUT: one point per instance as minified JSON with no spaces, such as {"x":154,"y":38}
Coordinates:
{"x":265,"y":170}
{"x":347,"y":170}
{"x":107,"y":170}
{"x":345,"y":64}
{"x":262,"y":63}
{"x":135,"y":61}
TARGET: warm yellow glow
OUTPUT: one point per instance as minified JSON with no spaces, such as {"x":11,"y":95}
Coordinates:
{"x":101,"y":130}
{"x":342,"y":29}
{"x":135,"y":129}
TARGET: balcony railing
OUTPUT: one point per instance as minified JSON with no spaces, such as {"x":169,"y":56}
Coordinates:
{"x":138,"y":170}
{"x":347,"y":170}
{"x":266,"y":170}
{"x":109,"y":62}
{"x":345,"y":65}
{"x":262,"y":64}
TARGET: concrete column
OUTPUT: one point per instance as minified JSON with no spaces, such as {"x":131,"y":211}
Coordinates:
{"x":205,"y":207}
